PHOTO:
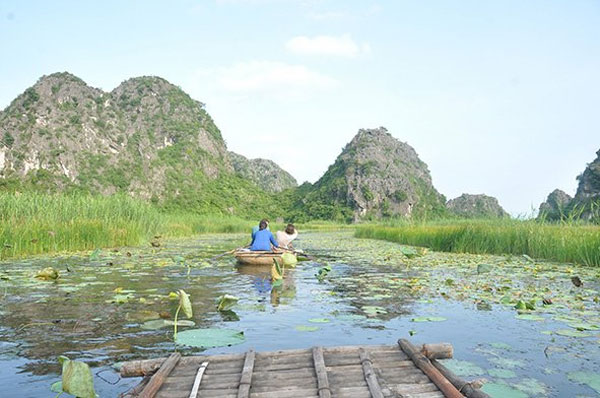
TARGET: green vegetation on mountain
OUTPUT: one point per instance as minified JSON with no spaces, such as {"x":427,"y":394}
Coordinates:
{"x":476,"y":206}
{"x":263,"y":172}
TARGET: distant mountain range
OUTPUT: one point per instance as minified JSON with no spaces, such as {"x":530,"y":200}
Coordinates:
{"x":149,"y":139}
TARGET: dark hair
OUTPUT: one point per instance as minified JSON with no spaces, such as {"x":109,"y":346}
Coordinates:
{"x":290,"y":229}
{"x":265,"y":220}
{"x":262,"y":225}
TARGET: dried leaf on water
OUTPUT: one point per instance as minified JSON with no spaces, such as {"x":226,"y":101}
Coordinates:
{"x":226,"y":302}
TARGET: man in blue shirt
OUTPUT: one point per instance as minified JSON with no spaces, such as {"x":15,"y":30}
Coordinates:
{"x":256,"y":228}
{"x":263,"y":238}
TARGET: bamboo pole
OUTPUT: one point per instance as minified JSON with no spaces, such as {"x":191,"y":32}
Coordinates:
{"x":369,"y":373}
{"x":463,"y":386}
{"x":198,"y":380}
{"x":321,"y":371}
{"x":246,"y":378}
{"x":425,"y":365}
{"x":159,"y":377}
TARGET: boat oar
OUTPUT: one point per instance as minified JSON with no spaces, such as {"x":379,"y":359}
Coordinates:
{"x":226,"y":253}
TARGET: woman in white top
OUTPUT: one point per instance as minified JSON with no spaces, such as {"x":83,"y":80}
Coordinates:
{"x":285,"y":238}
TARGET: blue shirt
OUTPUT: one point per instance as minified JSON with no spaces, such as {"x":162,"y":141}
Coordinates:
{"x":255,"y":229}
{"x":262,"y":241}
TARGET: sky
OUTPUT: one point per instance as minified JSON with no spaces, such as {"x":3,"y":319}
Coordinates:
{"x":497,"y":97}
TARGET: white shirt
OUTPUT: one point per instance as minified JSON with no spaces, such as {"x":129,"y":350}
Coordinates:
{"x":284,"y":240}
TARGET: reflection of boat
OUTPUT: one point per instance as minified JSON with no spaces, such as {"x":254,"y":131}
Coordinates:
{"x":259,"y":257}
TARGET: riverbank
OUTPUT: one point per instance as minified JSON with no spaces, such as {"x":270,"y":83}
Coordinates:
{"x":571,"y":243}
{"x":32,"y":224}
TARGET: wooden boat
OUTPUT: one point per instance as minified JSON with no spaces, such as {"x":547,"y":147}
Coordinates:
{"x":258,"y":257}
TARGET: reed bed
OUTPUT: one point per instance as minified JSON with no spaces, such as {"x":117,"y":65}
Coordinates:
{"x":33,"y":223}
{"x":570,"y":243}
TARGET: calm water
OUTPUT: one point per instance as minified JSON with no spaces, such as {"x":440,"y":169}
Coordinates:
{"x":372,"y":295}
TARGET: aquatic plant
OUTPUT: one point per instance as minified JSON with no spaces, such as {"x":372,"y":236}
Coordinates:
{"x":575,"y":243}
{"x":186,"y":305}
{"x":76,"y":379}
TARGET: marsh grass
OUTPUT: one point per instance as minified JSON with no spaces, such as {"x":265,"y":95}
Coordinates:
{"x":564,"y":242}
{"x":33,"y":223}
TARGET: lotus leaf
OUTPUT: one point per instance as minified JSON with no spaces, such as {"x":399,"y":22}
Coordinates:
{"x":289,"y":260}
{"x":226,"y":302}
{"x":463,"y":368}
{"x":211,"y":337}
{"x":530,"y":317}
{"x":572,"y":333}
{"x":501,"y":390}
{"x":589,"y":378}
{"x":163,"y":323}
{"x":77,"y":378}
{"x":304,"y":328}
{"x":502,"y":373}
{"x":185,"y":304}
{"x":428,"y":319}
{"x":48,"y":273}
{"x":484,"y":268}
{"x":319,"y":320}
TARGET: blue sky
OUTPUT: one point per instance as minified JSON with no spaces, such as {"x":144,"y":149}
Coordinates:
{"x":496,"y":97}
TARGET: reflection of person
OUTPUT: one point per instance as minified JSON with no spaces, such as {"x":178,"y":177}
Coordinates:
{"x":256,"y":228}
{"x":263,"y":238}
{"x":286,"y":237}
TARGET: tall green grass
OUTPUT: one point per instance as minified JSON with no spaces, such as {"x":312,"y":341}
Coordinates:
{"x":559,"y":242}
{"x":33,"y":223}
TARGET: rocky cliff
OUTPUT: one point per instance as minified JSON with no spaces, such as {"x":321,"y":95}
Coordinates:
{"x":63,"y":132}
{"x":476,"y":206}
{"x":556,"y":207}
{"x":375,"y":176}
{"x":262,"y":172}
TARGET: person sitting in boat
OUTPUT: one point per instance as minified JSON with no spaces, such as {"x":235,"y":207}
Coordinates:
{"x":286,"y":237}
{"x":263,"y":238}
{"x":256,"y":228}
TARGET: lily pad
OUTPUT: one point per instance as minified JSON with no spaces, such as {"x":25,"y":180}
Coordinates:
{"x":373,"y":310}
{"x":211,"y":337}
{"x":530,"y":317}
{"x":584,"y":326}
{"x":500,"y":390}
{"x":429,"y":319}
{"x":463,"y":368}
{"x":319,"y":320}
{"x":163,"y":323}
{"x":289,"y":260}
{"x":572,"y":333}
{"x":589,"y":378}
{"x":484,"y":268}
{"x":304,"y":328}
{"x":47,"y":273}
{"x":502,"y":373}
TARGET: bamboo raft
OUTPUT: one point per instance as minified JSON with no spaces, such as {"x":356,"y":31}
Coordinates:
{"x":402,"y":371}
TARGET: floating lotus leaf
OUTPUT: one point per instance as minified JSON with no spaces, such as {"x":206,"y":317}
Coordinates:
{"x":428,"y":319}
{"x":319,"y":320}
{"x":226,"y":302}
{"x":507,"y":363}
{"x":589,"y":378}
{"x":500,"y":390}
{"x":532,"y":387}
{"x":530,"y":317}
{"x":484,"y":268}
{"x":463,"y":368}
{"x":572,"y":333}
{"x":583,"y":326}
{"x":163,"y":323}
{"x":77,"y":378}
{"x":502,"y":373}
{"x":304,"y":328}
{"x":373,"y":310}
{"x":211,"y":337}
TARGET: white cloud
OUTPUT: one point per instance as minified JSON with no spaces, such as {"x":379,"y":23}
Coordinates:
{"x":267,"y":76}
{"x":342,"y":46}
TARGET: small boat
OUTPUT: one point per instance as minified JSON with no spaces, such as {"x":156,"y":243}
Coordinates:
{"x":248,"y":257}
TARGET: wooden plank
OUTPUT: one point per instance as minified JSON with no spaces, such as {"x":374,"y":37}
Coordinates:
{"x":246,"y":379}
{"x":321,"y":371}
{"x":369,"y":374}
{"x":198,"y":380}
{"x":425,"y":365}
{"x":463,"y":386}
{"x":159,"y":377}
